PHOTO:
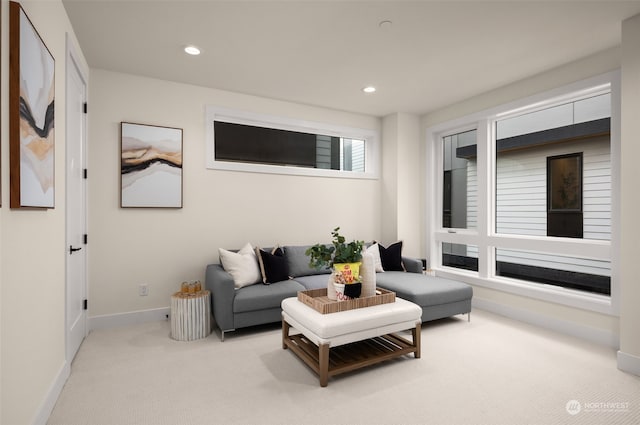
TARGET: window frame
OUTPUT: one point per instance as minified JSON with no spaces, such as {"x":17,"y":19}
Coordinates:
{"x":370,"y":137}
{"x":485,"y":236}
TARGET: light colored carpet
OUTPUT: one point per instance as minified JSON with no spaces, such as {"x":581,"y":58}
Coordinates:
{"x":490,"y":371}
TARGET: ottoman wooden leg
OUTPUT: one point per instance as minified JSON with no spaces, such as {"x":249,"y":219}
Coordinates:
{"x":323,"y":364}
{"x":285,"y":333}
{"x":416,"y":340}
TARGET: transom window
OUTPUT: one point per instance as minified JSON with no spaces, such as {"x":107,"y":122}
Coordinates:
{"x":255,"y":143}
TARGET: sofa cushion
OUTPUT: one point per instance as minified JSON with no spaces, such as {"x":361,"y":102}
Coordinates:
{"x":316,"y":281}
{"x":391,"y":257}
{"x":424,"y":290}
{"x":273,"y":265}
{"x":298,"y":262}
{"x":241,"y":265}
{"x":261,"y":297}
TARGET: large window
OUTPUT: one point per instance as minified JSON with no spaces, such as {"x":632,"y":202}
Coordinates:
{"x":526,"y":197}
{"x":249,"y":142}
{"x":553,"y":170}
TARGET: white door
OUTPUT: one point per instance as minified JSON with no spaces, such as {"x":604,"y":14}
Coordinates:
{"x":76,"y":326}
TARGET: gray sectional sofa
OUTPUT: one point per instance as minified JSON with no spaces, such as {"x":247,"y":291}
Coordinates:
{"x":256,"y":304}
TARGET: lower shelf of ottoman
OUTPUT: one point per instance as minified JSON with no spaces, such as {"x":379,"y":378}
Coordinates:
{"x":327,"y":361}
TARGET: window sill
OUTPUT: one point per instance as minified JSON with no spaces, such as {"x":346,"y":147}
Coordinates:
{"x":285,"y":170}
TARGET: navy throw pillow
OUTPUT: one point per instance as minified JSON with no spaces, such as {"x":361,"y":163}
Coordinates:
{"x":392,"y":257}
{"x":273,"y":266}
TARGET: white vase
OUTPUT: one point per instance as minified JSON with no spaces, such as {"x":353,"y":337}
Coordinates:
{"x":368,"y":275}
{"x":331,"y":290}
{"x":339,"y":288}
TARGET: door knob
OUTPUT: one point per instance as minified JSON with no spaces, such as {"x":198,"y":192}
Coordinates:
{"x":72,"y":249}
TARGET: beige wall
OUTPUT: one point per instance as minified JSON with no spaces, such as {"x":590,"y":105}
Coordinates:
{"x":32,"y":265}
{"x":224,"y":209}
{"x":389,"y":183}
{"x":596,"y":64}
{"x":402,"y":197}
{"x":410,"y":177}
{"x":597,"y":326}
{"x":629,"y":357}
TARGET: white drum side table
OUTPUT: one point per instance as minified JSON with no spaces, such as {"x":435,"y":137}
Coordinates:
{"x":190,"y":316}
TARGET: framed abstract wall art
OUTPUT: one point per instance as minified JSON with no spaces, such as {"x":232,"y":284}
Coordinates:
{"x":150,"y":166}
{"x":31,"y":115}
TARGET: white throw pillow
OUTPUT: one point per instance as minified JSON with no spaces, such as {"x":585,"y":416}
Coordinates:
{"x":242,"y":266}
{"x":375,"y":251}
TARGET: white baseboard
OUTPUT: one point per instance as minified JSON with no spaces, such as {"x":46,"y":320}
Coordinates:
{"x":628,"y":363}
{"x":598,"y":336}
{"x":45,"y":409}
{"x":108,"y":321}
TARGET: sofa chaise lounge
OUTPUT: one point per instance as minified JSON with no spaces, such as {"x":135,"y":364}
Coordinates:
{"x":238,"y":307}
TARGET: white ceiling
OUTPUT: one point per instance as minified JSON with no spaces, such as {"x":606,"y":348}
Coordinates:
{"x":324,"y":52}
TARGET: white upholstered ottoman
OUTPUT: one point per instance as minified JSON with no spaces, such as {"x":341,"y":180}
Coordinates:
{"x":335,"y":343}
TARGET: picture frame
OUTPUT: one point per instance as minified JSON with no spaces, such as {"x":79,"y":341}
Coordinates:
{"x":31,"y":115}
{"x":150,"y":166}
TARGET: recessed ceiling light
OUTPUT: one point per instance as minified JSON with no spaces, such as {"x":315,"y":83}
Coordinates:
{"x":192,"y":50}
{"x":369,"y":89}
{"x":385,"y":24}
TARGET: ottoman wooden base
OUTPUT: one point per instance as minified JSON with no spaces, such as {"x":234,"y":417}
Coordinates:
{"x":327,"y":361}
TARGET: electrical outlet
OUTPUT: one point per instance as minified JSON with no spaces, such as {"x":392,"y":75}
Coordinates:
{"x":143,"y":290}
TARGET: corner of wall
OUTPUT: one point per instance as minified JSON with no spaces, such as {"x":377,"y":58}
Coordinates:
{"x":45,"y":409}
{"x":628,"y":363}
{"x":389,"y":185}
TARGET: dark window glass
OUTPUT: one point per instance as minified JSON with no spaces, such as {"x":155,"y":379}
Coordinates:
{"x":555,"y":269}
{"x":261,"y":145}
{"x":460,"y":256}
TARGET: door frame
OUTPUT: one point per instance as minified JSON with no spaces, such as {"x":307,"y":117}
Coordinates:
{"x":73,"y":60}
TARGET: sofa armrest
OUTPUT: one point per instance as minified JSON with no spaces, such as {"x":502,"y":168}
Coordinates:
{"x":412,"y":265}
{"x":220,"y":283}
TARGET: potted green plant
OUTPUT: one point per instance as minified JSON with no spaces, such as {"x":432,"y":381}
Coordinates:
{"x":345,"y":259}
